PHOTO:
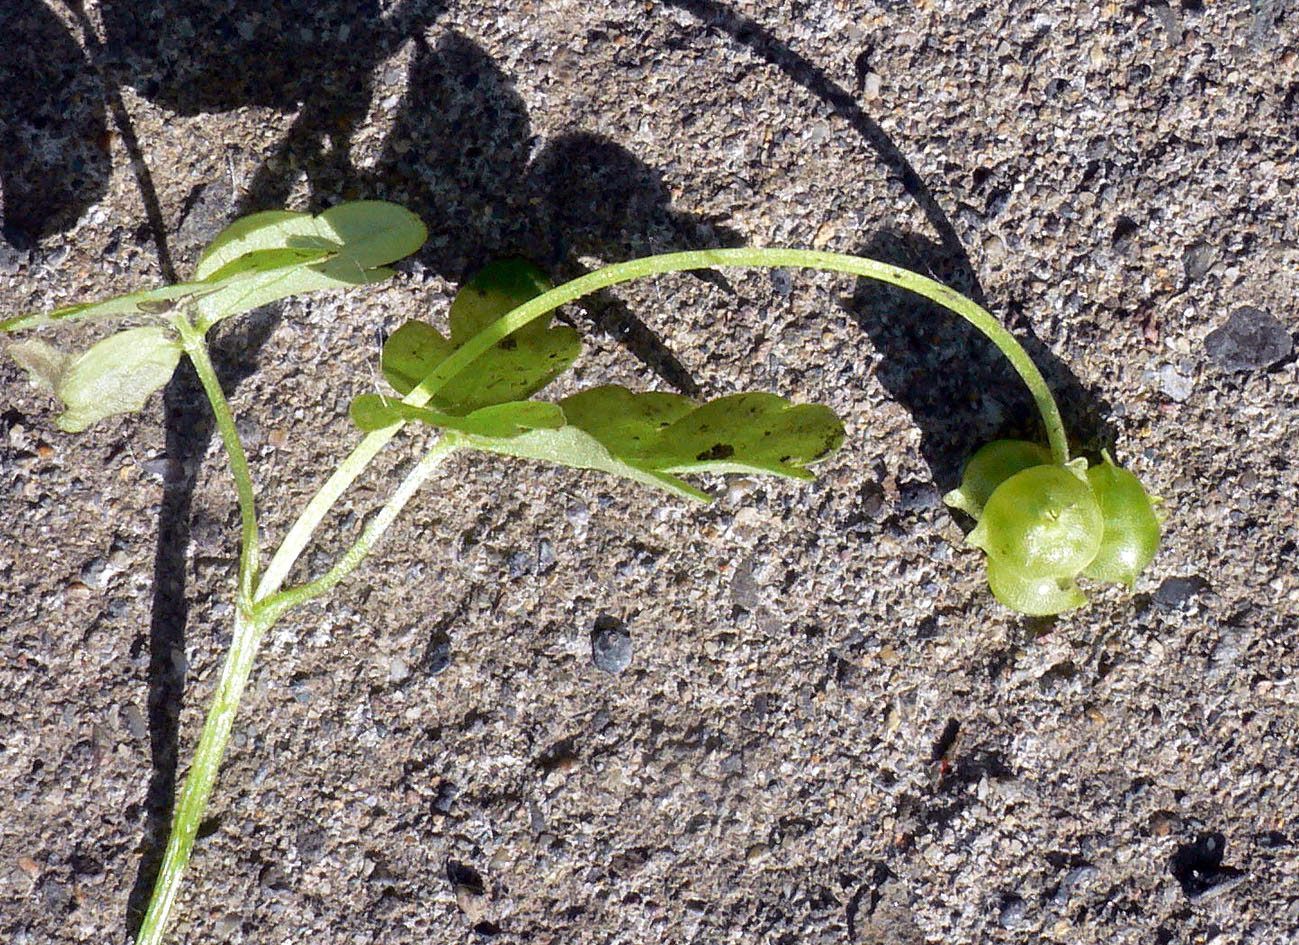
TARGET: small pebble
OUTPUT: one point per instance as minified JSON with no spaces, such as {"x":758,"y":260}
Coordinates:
{"x":610,"y":646}
{"x":1011,"y":914}
{"x":1251,"y":339}
{"x":133,"y":721}
{"x":447,"y":791}
{"x":10,"y":259}
{"x":1198,"y":260}
{"x":1079,"y":876}
{"x":398,"y":670}
{"x":470,"y":890}
{"x":472,"y":903}
{"x":1173,"y":384}
{"x":1175,"y":592}
{"x":438,"y":655}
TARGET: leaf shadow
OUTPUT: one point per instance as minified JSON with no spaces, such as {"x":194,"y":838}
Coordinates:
{"x":54,"y":160}
{"x":460,"y":154}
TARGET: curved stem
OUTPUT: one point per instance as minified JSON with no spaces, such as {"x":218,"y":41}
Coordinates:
{"x":950,"y":299}
{"x":195,"y":346}
{"x":276,"y":604}
{"x":953,"y":301}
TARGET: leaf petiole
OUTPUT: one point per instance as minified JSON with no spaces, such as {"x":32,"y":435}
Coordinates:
{"x":272,"y":606}
{"x":195,"y":346}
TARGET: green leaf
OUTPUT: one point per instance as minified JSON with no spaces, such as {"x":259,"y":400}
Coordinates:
{"x":264,"y":260}
{"x":361,"y":235}
{"x":117,"y":375}
{"x":1131,"y":535}
{"x":346,"y":245}
{"x":374,"y":412}
{"x":516,"y":367}
{"x":647,"y":437}
{"x":270,"y":229}
{"x":372,"y":233}
{"x":148,"y":302}
{"x":1035,"y":596}
{"x":268,"y":256}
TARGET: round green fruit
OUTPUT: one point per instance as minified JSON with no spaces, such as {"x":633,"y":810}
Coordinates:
{"x":1131,"y":534}
{"x":1043,"y":522}
{"x":988,"y":468}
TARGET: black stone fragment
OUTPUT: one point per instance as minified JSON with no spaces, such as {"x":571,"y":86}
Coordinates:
{"x":1176,"y":592}
{"x":610,"y":646}
{"x":437,"y":655}
{"x":447,"y":791}
{"x":1251,"y":339}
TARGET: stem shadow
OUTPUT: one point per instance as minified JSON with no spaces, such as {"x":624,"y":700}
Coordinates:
{"x":959,"y":389}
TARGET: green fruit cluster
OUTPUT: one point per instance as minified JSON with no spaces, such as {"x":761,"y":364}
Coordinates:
{"x":1042,"y":525}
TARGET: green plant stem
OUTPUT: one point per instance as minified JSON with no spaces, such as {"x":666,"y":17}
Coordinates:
{"x":202,"y":773}
{"x":195,"y":346}
{"x":275,"y":605}
{"x":300,"y":532}
{"x":250,"y":627}
{"x":950,"y":299}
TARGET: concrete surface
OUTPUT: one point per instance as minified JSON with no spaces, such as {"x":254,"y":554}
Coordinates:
{"x":828,"y":731}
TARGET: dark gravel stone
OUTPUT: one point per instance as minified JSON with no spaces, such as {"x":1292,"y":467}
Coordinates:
{"x":10,"y":259}
{"x":310,"y":843}
{"x":610,"y":646}
{"x":1072,"y":880}
{"x":462,"y":874}
{"x":437,"y":656}
{"x":1198,"y":260}
{"x":1175,"y":592}
{"x":1251,"y":339}
{"x":447,"y":791}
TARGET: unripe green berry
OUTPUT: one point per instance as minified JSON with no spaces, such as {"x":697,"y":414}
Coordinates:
{"x":988,"y":468}
{"x":1043,"y":522}
{"x":1131,"y":526}
{"x":1036,"y":597}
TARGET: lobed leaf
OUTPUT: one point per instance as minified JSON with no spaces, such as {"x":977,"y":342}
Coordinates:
{"x":649,"y":437}
{"x":516,"y":367}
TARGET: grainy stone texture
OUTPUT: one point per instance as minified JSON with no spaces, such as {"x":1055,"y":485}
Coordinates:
{"x":829,"y":731}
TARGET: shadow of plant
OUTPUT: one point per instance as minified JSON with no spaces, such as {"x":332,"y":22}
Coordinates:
{"x":959,"y":389}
